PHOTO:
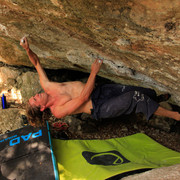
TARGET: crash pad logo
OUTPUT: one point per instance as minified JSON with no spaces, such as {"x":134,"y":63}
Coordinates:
{"x":105,"y":158}
{"x":23,"y":138}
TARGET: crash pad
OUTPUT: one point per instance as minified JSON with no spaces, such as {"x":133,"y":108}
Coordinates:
{"x":26,"y":154}
{"x":102,"y":159}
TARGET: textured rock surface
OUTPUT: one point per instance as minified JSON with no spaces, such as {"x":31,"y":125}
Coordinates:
{"x":138,"y":40}
{"x":164,"y":173}
{"x":10,"y":119}
{"x":18,"y":86}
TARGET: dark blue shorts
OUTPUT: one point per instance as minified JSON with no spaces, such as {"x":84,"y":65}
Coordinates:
{"x":113,"y":100}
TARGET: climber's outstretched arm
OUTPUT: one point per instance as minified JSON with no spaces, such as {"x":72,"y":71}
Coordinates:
{"x":44,"y":81}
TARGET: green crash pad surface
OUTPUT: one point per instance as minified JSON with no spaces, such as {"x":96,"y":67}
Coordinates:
{"x":101,"y":159}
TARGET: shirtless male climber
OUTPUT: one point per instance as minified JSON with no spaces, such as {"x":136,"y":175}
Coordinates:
{"x":106,"y":101}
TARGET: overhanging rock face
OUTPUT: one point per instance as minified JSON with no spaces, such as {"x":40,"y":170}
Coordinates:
{"x":138,"y":40}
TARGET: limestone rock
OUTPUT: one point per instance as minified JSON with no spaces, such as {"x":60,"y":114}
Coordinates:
{"x":29,"y":85}
{"x":75,"y":125}
{"x":162,"y":123}
{"x":8,"y":76}
{"x":138,"y":40}
{"x":164,"y":173}
{"x":18,"y":86}
{"x":10,"y":119}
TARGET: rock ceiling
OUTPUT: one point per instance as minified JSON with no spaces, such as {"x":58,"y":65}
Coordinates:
{"x":138,"y":40}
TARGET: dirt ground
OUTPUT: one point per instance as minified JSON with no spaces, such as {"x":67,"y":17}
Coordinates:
{"x":124,"y":126}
